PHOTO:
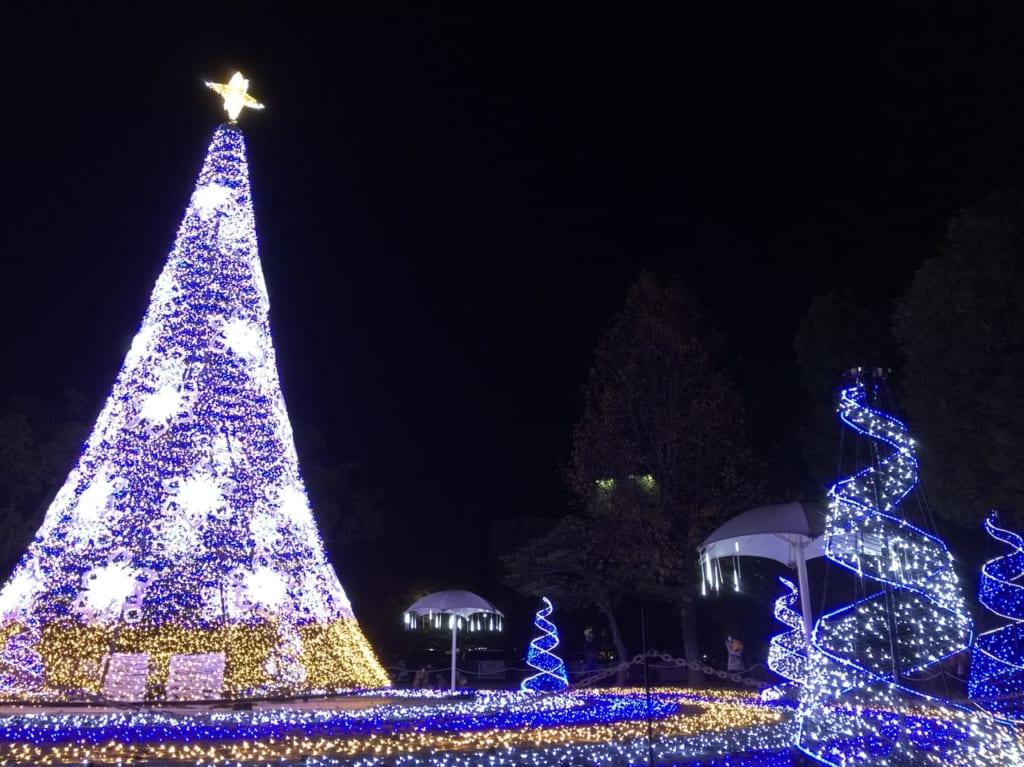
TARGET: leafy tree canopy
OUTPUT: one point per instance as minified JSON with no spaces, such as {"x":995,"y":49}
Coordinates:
{"x":660,"y":456}
{"x":835,"y":335}
{"x":659,"y":403}
{"x":39,"y":442}
{"x":348,"y":508}
{"x":960,"y":326}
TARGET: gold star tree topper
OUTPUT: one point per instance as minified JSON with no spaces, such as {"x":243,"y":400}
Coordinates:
{"x":235,"y":95}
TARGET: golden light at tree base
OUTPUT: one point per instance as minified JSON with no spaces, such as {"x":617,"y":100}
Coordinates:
{"x":335,"y":656}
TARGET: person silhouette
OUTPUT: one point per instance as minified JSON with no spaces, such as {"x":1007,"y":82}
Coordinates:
{"x":734,"y":648}
{"x":589,"y":650}
{"x":422,"y":678}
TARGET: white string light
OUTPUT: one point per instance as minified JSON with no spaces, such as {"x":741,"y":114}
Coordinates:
{"x":913,"y":619}
{"x":185,"y":529}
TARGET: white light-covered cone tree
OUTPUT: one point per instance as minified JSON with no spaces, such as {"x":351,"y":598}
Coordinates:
{"x":185,"y":527}
{"x":787,"y":652}
{"x":856,"y":706}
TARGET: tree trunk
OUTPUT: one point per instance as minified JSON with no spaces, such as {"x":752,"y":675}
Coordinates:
{"x":691,"y":645}
{"x":620,"y":646}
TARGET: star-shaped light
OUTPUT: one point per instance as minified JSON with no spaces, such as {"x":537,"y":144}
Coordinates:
{"x":108,"y":588}
{"x":242,"y":338}
{"x":235,"y":95}
{"x":159,"y":406}
{"x":295,"y":507}
{"x":139,"y":345}
{"x":198,"y":495}
{"x":266,"y":587}
{"x":93,"y":502}
{"x":208,"y":199}
{"x":17,"y":594}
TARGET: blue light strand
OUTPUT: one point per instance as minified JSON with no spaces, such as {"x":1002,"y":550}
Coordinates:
{"x":996,"y":681}
{"x":509,"y":714}
{"x":551,"y":675}
{"x":759,"y":746}
{"x":914,"y":619}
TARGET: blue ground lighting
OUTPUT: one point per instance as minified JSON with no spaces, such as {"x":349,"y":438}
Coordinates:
{"x":503,"y":729}
{"x":997,"y":667}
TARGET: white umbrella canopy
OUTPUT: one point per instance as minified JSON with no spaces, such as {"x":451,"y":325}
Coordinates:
{"x":458,"y":604}
{"x":790,"y":533}
{"x":461,"y":603}
{"x":774,"y":532}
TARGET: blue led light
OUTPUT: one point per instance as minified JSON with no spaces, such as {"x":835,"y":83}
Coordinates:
{"x":499,"y":712}
{"x":510,"y":714}
{"x":911,"y":618}
{"x":787,"y":652}
{"x":186,"y":514}
{"x":551,"y":675}
{"x":996,"y":682}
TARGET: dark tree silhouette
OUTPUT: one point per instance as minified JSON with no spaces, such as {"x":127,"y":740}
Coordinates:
{"x":347,"y":506}
{"x":836,"y":334}
{"x":659,"y":409}
{"x":39,"y":442}
{"x":960,"y":326}
{"x":600,"y":558}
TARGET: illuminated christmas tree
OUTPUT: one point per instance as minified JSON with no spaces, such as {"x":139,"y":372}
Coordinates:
{"x":856,"y":705}
{"x":551,"y":675}
{"x":787,"y":652}
{"x":183,"y":539}
{"x":997,"y":667}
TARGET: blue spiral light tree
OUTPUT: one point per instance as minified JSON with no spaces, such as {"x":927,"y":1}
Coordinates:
{"x":787,"y":652}
{"x":856,"y":706}
{"x":551,"y":675}
{"x":997,"y":668}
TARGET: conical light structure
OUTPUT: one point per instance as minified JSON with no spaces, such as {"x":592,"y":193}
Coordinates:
{"x":551,"y":675}
{"x":185,"y":530}
{"x":997,"y":667}
{"x":787,"y":652}
{"x":857,"y":705}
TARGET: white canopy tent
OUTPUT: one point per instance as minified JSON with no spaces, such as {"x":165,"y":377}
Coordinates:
{"x":790,"y":533}
{"x":456,"y":605}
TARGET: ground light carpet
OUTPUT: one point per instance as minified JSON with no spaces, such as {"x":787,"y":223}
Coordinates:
{"x":668,"y":726}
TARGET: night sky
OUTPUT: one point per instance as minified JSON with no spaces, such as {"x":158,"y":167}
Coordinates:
{"x":452,"y":203}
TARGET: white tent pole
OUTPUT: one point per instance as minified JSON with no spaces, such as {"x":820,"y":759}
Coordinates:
{"x":805,"y":594}
{"x":455,"y":629}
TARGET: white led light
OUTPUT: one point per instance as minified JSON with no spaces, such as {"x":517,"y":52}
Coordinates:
{"x":912,"y":616}
{"x":186,"y":518}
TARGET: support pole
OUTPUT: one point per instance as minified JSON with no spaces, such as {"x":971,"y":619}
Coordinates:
{"x":805,"y":594}
{"x":455,"y":630}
